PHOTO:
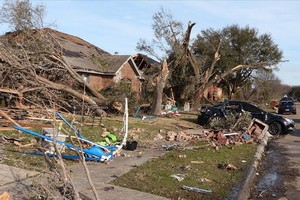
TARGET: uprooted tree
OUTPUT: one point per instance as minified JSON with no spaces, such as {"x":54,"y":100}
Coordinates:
{"x":33,"y":68}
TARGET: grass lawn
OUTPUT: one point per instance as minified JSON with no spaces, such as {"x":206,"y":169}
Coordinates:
{"x":199,"y":167}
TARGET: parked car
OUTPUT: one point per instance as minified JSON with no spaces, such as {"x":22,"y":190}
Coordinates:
{"x":287,"y":107}
{"x":286,"y":98}
{"x":277,"y":124}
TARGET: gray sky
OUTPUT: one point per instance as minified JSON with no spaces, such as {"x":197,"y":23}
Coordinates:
{"x":117,"y":26}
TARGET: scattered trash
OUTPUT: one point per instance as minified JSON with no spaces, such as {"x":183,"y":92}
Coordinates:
{"x":227,"y":166}
{"x":126,"y":155}
{"x":185,"y":168}
{"x":158,"y":137}
{"x":24,"y":145}
{"x":109,"y":188}
{"x":181,"y":156}
{"x":136,"y":115}
{"x":177,"y":177}
{"x":91,"y":152}
{"x":197,"y":162}
{"x":245,"y":137}
{"x":186,"y":107}
{"x":170,"y":147}
{"x":230,"y":134}
{"x":205,"y":180}
{"x":261,"y":193}
{"x":257,"y":128}
{"x":109,"y":139}
{"x":11,"y":139}
{"x":131,"y":145}
{"x":196,"y":189}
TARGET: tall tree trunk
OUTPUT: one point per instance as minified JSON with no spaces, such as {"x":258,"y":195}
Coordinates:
{"x":207,"y":81}
{"x":158,"y":93}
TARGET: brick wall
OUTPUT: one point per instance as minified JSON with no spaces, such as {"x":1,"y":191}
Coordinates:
{"x":126,"y":72}
{"x":99,"y":82}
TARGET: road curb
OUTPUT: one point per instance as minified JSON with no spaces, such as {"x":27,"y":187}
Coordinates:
{"x":244,"y":191}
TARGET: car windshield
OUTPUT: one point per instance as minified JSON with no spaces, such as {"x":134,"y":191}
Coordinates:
{"x":287,"y":103}
{"x":287,"y":99}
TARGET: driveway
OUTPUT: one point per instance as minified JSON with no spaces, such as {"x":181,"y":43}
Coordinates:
{"x":279,"y":174}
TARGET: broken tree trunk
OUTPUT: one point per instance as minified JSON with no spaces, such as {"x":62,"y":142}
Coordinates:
{"x":158,"y":93}
{"x":207,"y":80}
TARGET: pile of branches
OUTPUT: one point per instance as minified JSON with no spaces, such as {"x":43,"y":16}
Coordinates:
{"x":34,"y":71}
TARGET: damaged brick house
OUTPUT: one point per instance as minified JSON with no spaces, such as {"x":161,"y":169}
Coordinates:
{"x":214,"y":93}
{"x":101,"y":69}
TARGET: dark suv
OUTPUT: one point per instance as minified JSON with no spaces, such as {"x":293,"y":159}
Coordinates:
{"x":277,"y":124}
{"x":287,"y":107}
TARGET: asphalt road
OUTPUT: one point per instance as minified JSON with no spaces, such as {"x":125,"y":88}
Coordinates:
{"x":291,"y":143}
{"x":279,"y":174}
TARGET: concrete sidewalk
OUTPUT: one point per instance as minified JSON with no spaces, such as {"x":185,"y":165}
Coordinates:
{"x":11,"y":175}
{"x":101,"y":174}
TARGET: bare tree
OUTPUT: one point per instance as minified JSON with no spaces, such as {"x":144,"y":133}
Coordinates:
{"x":187,"y":74}
{"x":261,"y":88}
{"x":21,"y":15}
{"x":166,"y":39}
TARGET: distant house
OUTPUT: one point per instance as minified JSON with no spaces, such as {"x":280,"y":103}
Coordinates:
{"x":99,"y":68}
{"x":213,"y":93}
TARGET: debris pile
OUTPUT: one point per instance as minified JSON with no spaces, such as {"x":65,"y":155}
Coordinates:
{"x":253,"y":134}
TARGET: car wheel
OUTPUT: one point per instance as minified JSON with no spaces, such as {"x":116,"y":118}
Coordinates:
{"x":275,"y":128}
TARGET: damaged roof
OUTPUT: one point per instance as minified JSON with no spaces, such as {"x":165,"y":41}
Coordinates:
{"x":85,"y":57}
